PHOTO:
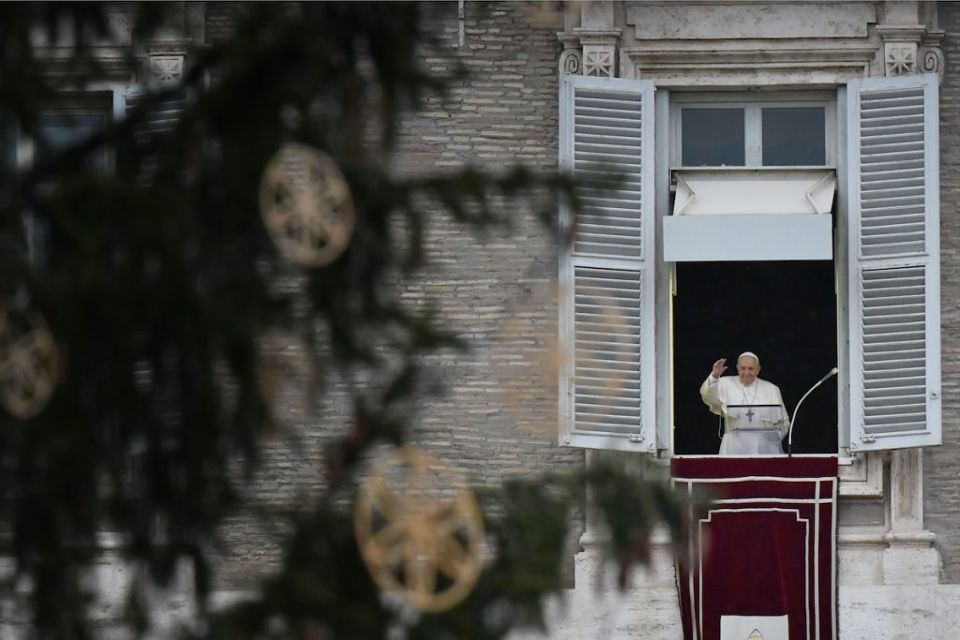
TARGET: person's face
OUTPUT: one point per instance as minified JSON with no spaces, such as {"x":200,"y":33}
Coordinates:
{"x":748,"y":369}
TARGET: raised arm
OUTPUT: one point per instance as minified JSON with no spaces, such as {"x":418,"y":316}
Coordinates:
{"x":709,"y":390}
{"x":718,"y":368}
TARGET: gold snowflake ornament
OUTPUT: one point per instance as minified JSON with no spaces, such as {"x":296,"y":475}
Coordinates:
{"x":306,"y":205}
{"x":28,"y":362}
{"x":420,"y":536}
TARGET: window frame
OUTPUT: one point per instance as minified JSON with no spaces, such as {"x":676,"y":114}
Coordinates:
{"x":753,"y":104}
{"x":845,"y":135}
{"x":95,"y":101}
{"x":669,"y":143}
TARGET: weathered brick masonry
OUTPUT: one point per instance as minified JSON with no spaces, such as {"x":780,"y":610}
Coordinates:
{"x":495,"y":289}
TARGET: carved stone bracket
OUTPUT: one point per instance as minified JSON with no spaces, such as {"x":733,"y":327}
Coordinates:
{"x":571,"y":61}
{"x":899,"y":58}
{"x":165,"y":68}
{"x":599,"y":51}
{"x":590,"y":52}
{"x":599,"y":60}
{"x":930,"y":58}
{"x":909,"y":49}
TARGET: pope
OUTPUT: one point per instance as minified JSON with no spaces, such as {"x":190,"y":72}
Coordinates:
{"x":747,"y":431}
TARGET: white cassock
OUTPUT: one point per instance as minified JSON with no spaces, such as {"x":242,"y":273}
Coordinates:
{"x":747,"y":432}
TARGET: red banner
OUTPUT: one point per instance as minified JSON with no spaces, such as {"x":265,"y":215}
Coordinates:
{"x":764,"y":551}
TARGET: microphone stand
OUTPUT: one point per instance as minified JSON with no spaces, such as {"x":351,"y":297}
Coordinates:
{"x":830,"y":374}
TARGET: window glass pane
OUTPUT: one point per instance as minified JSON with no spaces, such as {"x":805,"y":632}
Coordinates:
{"x":794,"y":136}
{"x":712,"y":138}
{"x":61,"y":130}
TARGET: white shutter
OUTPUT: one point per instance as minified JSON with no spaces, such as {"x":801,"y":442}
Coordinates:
{"x":162,"y":119}
{"x":894,"y":285}
{"x":607,"y":384}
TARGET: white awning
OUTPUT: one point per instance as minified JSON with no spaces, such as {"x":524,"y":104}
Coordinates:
{"x":741,"y":238}
{"x":738,"y":214}
{"x":730,"y":190}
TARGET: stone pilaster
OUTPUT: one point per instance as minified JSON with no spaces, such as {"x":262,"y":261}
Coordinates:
{"x":910,"y":557}
{"x":900,"y":47}
{"x":909,"y":45}
{"x":591,"y":48}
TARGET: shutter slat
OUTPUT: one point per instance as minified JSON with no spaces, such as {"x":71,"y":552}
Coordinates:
{"x":899,"y":157}
{"x":878,"y":187}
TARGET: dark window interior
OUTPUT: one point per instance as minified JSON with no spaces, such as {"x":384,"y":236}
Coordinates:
{"x":793,"y":136}
{"x":786,"y":313}
{"x":712,"y":137}
{"x":60,"y":130}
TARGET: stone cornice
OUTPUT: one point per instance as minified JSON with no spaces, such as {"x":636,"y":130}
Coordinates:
{"x":111,"y":64}
{"x":933,"y":37}
{"x":751,"y":62}
{"x":568,"y":39}
{"x":901,"y":32}
{"x":594,"y":36}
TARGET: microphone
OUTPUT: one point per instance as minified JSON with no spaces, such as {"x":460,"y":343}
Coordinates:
{"x":829,"y":375}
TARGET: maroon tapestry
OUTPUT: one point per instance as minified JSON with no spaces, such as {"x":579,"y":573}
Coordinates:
{"x":766,"y":546}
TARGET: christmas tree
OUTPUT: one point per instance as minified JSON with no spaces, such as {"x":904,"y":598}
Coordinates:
{"x":167,"y":272}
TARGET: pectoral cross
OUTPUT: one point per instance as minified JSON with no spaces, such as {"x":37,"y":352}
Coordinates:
{"x":750,"y":414}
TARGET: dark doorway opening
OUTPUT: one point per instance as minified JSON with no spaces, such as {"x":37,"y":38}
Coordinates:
{"x":786,"y":312}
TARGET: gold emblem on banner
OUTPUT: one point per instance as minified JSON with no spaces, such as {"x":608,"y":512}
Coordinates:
{"x":306,"y":205}
{"x":419,"y":530}
{"x":28,"y":362}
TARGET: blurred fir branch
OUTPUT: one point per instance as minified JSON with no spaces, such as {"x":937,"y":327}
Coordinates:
{"x":158,"y":280}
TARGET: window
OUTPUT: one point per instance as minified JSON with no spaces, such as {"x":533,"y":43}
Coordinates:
{"x":712,"y":137}
{"x":793,"y":136}
{"x":880,"y":133}
{"x":59,"y":130}
{"x":781,"y":130}
{"x":68,"y":121}
{"x":735,"y":155}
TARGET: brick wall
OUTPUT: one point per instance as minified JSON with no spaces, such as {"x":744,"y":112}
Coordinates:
{"x":497,"y":416}
{"x":942,"y":482}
